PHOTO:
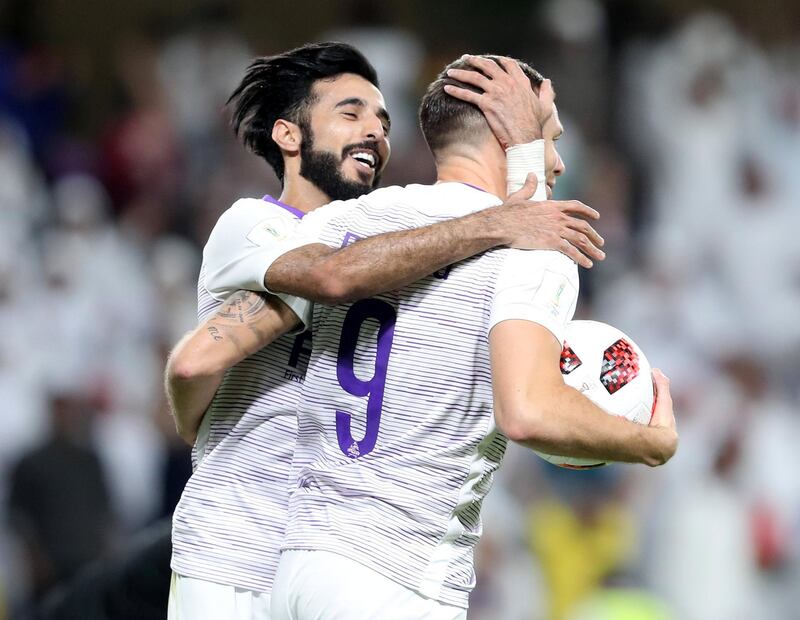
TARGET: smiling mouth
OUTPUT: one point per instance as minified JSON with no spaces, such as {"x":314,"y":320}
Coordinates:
{"x":365,"y":158}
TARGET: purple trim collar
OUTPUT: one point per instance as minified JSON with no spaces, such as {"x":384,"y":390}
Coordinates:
{"x":283,"y":205}
{"x":480,"y":189}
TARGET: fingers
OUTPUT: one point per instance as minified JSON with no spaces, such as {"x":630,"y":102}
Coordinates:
{"x":663,"y":418}
{"x":512,"y":67}
{"x":662,"y":413}
{"x":467,"y":76}
{"x":575,"y":255}
{"x":489,"y":67}
{"x":585,"y":229}
{"x":582,"y":242}
{"x":527,"y":190}
{"x":570,"y":235}
{"x":577,"y":208}
{"x":546,"y":93}
{"x":662,"y":384}
{"x":464,"y":94}
{"x":507,"y":68}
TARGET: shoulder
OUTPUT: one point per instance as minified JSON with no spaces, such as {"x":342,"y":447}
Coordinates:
{"x":250,"y":210}
{"x":405,"y":194}
{"x":440,"y":200}
{"x":540,"y":286}
{"x":531,"y":261}
{"x":537,"y":270}
{"x":337,"y":212}
{"x":252,"y":220}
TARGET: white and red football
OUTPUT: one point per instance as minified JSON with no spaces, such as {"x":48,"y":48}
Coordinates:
{"x":609,"y":368}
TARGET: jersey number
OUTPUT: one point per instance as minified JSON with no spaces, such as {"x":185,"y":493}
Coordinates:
{"x":373,"y":389}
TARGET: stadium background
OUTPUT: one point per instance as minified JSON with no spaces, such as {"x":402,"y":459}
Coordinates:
{"x":682,"y":128}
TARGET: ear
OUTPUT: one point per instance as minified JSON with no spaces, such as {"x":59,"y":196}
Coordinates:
{"x":287,"y":136}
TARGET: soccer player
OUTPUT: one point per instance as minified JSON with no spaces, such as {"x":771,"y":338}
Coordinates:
{"x":410,"y":396}
{"x":315,"y":114}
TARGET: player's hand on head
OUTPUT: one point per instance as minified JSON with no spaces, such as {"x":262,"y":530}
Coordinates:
{"x":552,"y":225}
{"x":663,"y":416}
{"x":514,"y":112}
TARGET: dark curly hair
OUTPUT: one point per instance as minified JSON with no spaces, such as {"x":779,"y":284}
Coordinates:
{"x":280,"y":87}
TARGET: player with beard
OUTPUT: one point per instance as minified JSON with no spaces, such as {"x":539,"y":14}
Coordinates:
{"x":412,"y":395}
{"x":316,"y":116}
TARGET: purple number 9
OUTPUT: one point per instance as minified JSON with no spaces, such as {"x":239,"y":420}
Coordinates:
{"x":358,"y":313}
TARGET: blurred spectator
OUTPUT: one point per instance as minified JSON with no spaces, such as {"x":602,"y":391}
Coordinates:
{"x":762,"y":223}
{"x":116,"y":158}
{"x":33,"y":91}
{"x":131,"y":584}
{"x":59,"y":501}
{"x":583,"y":534}
{"x":703,"y":561}
{"x":141,"y":157}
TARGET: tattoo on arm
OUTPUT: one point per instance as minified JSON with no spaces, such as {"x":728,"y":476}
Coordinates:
{"x":243,"y":309}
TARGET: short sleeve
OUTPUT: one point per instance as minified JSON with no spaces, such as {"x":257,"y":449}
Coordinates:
{"x":311,"y":228}
{"x":246,"y":240}
{"x":539,"y":286}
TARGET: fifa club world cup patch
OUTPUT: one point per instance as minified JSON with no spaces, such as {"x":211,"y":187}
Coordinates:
{"x":569,"y":360}
{"x":620,"y":366}
{"x":270,"y":230}
{"x":555,"y":294}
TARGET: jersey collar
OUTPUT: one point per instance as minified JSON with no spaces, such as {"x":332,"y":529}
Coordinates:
{"x":296,"y":212}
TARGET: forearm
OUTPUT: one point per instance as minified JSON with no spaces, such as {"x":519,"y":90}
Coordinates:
{"x":190,"y":383}
{"x":569,"y":424}
{"x":385,"y":262}
{"x":243,"y":324}
{"x":189,"y":398}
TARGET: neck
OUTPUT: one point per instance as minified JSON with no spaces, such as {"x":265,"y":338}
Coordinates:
{"x":481,"y":170}
{"x":301,"y":194}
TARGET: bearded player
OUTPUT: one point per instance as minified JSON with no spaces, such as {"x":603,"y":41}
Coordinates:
{"x":315,"y":114}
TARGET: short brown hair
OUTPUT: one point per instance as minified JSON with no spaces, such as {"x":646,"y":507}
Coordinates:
{"x":445,"y":120}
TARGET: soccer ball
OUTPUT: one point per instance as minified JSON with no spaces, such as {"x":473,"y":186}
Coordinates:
{"x":610,"y":369}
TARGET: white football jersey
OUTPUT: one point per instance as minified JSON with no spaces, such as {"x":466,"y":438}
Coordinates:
{"x":397,"y":443}
{"x":229,"y":523}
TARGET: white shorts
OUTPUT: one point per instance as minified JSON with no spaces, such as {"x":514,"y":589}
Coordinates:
{"x":195,"y":599}
{"x":319,"y":585}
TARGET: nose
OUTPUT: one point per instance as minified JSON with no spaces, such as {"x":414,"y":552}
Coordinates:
{"x":560,"y":167}
{"x":374,"y":129}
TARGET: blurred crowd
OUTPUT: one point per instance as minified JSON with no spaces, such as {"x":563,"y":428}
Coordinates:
{"x":688,"y":143}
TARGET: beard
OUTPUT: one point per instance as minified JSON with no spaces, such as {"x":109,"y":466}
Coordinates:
{"x":324,"y":169}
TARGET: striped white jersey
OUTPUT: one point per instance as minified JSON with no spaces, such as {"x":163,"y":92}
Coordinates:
{"x":229,"y":523}
{"x":397,"y":443}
